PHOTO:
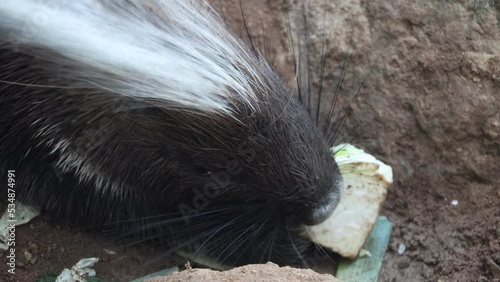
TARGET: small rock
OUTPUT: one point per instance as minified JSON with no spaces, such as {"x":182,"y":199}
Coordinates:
{"x":492,"y":127}
{"x":401,"y":248}
{"x":109,"y":252}
{"x":364,"y":253}
{"x":27,"y":255}
{"x":33,"y":246}
{"x":454,"y":203}
{"x":61,"y":249}
{"x":430,"y":261}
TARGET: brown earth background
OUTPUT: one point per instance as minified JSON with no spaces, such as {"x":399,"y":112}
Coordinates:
{"x":429,"y":107}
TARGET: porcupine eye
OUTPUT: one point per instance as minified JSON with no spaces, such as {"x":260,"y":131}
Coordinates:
{"x":201,"y":170}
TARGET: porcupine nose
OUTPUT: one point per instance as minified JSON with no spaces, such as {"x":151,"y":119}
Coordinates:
{"x":321,"y":212}
{"x":325,"y":204}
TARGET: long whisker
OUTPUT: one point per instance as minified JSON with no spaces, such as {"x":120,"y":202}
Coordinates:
{"x":307,"y":55}
{"x":324,"y":48}
{"x":346,"y":112}
{"x":237,"y":248}
{"x":172,"y":218}
{"x":218,"y":230}
{"x":337,"y":92}
{"x":301,"y":257}
{"x":296,"y":61}
{"x":245,"y":24}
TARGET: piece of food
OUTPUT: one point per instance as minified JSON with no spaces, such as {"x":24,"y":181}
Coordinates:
{"x":366,"y":181}
{"x":79,"y":272}
{"x":15,"y":215}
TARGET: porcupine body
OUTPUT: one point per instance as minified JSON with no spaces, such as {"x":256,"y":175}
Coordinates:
{"x":153,"y":116}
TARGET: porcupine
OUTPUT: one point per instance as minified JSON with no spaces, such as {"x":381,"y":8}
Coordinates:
{"x":154,"y":116}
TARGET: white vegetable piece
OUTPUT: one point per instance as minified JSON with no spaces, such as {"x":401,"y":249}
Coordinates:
{"x":366,"y":181}
{"x":18,"y":215}
{"x":79,"y":272}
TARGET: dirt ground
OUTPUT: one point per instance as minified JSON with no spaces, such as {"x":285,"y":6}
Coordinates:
{"x":429,"y":106}
{"x":252,"y":272}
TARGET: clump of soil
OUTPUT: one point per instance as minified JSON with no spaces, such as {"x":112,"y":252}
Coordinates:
{"x":430,"y":107}
{"x":254,"y":272}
